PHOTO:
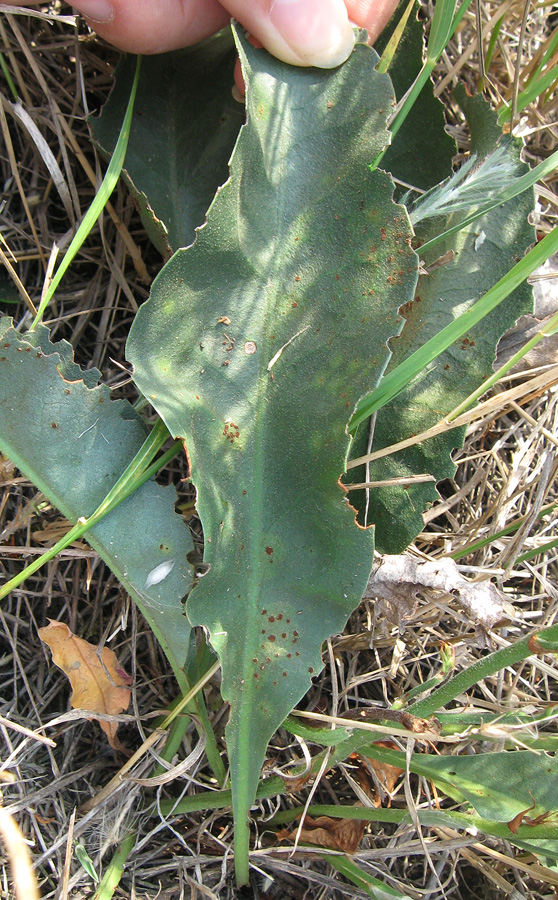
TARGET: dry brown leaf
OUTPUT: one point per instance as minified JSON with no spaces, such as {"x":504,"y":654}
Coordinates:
{"x":52,"y":532}
{"x":7,"y":469}
{"x":99,"y":685}
{"x":384,"y":775}
{"x":522,"y":819}
{"x":335,"y":834}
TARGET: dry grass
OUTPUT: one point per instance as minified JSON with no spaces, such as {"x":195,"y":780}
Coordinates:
{"x":506,"y":474}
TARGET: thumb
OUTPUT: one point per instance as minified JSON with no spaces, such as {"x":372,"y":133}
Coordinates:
{"x":300,"y":32}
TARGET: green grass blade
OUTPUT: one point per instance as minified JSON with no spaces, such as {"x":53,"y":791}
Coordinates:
{"x":509,"y":529}
{"x":444,"y":23}
{"x":8,"y":77}
{"x":552,"y":43}
{"x":372,"y":886}
{"x":105,"y":190}
{"x":441,"y":28}
{"x":550,"y":328}
{"x":544,"y":641}
{"x":400,"y":377}
{"x":530,"y":94}
{"x":115,"y":869}
{"x":393,"y":43}
{"x":537,"y":551}
{"x":492,"y":42}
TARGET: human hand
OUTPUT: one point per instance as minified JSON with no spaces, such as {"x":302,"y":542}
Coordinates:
{"x":300,"y":32}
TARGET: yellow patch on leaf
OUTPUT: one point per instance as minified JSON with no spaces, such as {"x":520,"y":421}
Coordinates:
{"x":99,"y":684}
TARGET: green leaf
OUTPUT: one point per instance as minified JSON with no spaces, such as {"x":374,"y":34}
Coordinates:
{"x":497,"y":785}
{"x":9,"y":294}
{"x":86,"y":862}
{"x":100,"y":199}
{"x":483,"y":253}
{"x":367,"y":883}
{"x":501,"y":785}
{"x":183,"y":132}
{"x":66,"y":435}
{"x":255,"y":346}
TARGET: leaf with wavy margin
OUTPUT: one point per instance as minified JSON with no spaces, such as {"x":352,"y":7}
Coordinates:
{"x":67,"y":435}
{"x":255,"y":347}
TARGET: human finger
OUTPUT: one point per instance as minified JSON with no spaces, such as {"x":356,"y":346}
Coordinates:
{"x":371,"y":14}
{"x":300,"y":32}
{"x":151,"y":26}
{"x":311,"y":32}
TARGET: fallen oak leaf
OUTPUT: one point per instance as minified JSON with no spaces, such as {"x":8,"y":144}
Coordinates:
{"x":335,"y":834}
{"x":99,"y":684}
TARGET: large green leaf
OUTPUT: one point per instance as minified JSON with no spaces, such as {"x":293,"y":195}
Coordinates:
{"x":482,"y":254}
{"x":497,"y":785}
{"x":73,"y":442}
{"x":183,"y":132}
{"x":255,"y":346}
{"x":500,"y":785}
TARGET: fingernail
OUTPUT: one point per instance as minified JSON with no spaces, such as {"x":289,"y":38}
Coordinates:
{"x":100,"y":11}
{"x":317,"y":31}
